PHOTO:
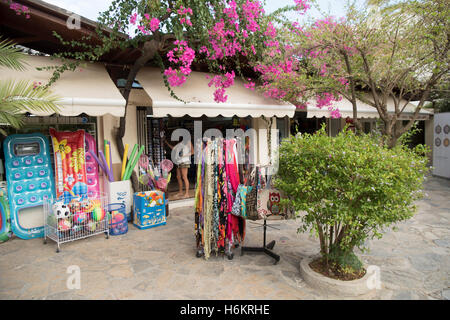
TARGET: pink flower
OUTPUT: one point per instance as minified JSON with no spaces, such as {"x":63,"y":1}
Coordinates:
{"x":133,"y":18}
{"x":154,"y":24}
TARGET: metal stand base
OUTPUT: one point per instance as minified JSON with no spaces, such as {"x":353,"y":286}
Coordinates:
{"x":266,"y":248}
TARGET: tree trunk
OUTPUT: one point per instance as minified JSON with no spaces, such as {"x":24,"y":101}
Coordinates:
{"x":149,"y":51}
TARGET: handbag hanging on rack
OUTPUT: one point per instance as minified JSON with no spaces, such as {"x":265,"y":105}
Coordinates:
{"x":268,"y":199}
{"x":252,"y":196}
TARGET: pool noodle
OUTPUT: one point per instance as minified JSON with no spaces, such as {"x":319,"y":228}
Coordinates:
{"x":107,"y":154}
{"x":110,"y":177}
{"x":130,"y":170}
{"x":133,"y":152}
{"x":110,"y":157}
{"x":101,"y":165}
{"x":124,"y":161}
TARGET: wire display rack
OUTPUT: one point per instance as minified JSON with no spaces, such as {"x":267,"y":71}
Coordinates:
{"x":71,"y":219}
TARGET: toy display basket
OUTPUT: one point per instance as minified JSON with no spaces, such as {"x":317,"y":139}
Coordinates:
{"x":118,"y":222}
{"x":70,"y":219}
{"x":149,"y":209}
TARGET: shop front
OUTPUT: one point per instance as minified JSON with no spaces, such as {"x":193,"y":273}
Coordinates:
{"x":160,"y":117}
{"x":49,"y":156}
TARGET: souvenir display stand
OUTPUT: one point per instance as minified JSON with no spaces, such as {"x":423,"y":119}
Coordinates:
{"x":265,"y":207}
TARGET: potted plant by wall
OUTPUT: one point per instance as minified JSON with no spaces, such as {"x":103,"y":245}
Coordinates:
{"x":350,"y":188}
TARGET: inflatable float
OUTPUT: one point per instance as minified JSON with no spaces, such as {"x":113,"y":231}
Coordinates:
{"x":70,"y":164}
{"x":30,"y":180}
{"x":5,"y":227}
{"x":93,"y":184}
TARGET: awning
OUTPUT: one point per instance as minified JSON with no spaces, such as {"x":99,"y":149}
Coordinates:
{"x":241,"y":102}
{"x":366,"y":111}
{"x":88,"y":90}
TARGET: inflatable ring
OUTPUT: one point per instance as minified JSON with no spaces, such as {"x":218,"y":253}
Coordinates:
{"x":5,"y":226}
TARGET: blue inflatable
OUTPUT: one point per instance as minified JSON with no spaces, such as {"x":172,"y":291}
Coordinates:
{"x":29,"y":174}
{"x":5,"y":227}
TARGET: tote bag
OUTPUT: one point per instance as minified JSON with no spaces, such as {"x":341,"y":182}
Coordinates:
{"x":268,"y":201}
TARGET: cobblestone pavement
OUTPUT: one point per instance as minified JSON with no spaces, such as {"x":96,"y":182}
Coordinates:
{"x":160,"y":263}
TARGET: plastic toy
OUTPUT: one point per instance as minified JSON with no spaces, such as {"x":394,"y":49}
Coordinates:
{"x":64,"y":225}
{"x":149,"y":209}
{"x":80,"y":217}
{"x":91,"y":226}
{"x":91,"y":167}
{"x":5,"y":227}
{"x":70,"y":164}
{"x":61,"y":210}
{"x":98,"y":214}
{"x":30,"y":180}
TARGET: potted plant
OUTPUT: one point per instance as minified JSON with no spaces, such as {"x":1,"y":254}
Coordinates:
{"x":350,"y":188}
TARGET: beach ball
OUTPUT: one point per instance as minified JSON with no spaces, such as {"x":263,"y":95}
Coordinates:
{"x":64,"y":225}
{"x":91,"y":226}
{"x":98,"y":214}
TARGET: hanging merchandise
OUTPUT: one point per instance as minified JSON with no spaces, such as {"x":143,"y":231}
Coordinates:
{"x":218,"y":187}
{"x":269,"y":198}
{"x":30,"y":181}
{"x":252,"y":197}
{"x":70,"y":165}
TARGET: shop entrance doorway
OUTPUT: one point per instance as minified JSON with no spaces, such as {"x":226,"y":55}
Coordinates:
{"x":159,"y":140}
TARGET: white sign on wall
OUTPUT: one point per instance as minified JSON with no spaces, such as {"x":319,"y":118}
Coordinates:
{"x":441,"y":145}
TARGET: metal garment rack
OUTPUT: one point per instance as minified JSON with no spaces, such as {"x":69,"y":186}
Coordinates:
{"x":266,"y":248}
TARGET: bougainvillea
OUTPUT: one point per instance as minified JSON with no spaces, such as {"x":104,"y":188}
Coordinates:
{"x":18,"y":8}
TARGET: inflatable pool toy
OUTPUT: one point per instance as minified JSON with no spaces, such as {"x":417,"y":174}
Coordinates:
{"x":5,"y":227}
{"x":30,"y":182}
{"x":70,"y":163}
{"x":93,"y":185}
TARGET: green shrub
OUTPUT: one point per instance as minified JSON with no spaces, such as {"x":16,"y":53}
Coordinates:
{"x":350,"y":186}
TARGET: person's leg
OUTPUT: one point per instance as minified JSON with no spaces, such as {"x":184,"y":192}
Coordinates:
{"x":184,"y":173}
{"x":180,"y":182}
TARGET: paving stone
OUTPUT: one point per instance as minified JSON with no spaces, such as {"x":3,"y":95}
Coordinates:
{"x":442,"y":243}
{"x":446,"y":294}
{"x":160,"y":263}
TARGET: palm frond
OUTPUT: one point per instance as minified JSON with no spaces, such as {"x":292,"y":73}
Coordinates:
{"x":10,"y":56}
{"x":23,"y":96}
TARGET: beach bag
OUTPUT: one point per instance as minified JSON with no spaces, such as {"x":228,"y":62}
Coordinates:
{"x":252,"y":197}
{"x":268,"y":201}
{"x":239,"y":207}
